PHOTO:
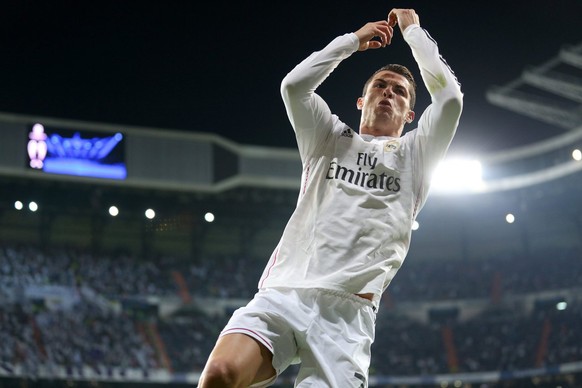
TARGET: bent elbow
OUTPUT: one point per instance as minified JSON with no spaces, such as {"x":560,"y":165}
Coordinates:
{"x":288,"y":87}
{"x":453,"y":105}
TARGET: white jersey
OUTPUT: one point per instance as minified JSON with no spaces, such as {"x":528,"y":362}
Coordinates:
{"x":360,"y":194}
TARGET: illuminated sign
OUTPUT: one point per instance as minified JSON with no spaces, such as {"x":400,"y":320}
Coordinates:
{"x":76,"y":152}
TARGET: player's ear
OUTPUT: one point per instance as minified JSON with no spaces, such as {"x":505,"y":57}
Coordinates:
{"x":410,"y":117}
{"x":360,"y":103}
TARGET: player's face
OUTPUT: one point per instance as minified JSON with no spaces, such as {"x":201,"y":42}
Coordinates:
{"x":387,"y":101}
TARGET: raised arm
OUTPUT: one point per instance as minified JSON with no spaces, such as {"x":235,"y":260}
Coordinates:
{"x":438,"y":123}
{"x":440,"y":120}
{"x":308,"y":113}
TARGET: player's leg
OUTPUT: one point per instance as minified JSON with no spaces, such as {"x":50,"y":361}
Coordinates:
{"x":237,"y":360}
{"x":335,"y":350}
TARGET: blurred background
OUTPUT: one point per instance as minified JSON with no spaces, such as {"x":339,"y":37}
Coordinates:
{"x":147,"y":170}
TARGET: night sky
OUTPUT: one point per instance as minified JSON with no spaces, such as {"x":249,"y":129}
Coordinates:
{"x":217,"y":66}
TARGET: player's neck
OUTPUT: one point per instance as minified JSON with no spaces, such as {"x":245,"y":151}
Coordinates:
{"x":378,"y":131}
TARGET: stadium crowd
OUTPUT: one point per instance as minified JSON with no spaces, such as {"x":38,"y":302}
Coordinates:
{"x":100,"y":315}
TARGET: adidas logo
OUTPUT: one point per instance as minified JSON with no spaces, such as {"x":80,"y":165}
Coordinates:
{"x":347,"y":133}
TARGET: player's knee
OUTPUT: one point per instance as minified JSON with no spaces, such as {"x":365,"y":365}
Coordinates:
{"x":220,"y":373}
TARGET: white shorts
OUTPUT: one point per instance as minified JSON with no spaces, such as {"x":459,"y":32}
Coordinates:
{"x":329,"y":332}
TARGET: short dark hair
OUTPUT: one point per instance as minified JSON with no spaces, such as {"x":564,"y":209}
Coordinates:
{"x":403,"y":71}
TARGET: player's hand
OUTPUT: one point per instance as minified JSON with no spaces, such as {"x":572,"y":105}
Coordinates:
{"x":403,"y":17}
{"x":372,"y":30}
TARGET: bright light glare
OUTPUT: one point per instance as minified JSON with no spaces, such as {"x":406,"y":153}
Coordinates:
{"x":457,"y":176}
{"x":577,"y":155}
{"x":150,"y":214}
{"x":113,"y":210}
{"x":415,"y":225}
{"x":510,"y":218}
{"x":33,"y":206}
{"x":209,"y":217}
{"x":561,"y":306}
{"x":18,"y":205}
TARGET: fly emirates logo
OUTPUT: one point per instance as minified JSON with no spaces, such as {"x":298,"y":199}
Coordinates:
{"x":364,"y":176}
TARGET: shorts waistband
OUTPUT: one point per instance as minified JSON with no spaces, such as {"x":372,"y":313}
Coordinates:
{"x":349,"y":296}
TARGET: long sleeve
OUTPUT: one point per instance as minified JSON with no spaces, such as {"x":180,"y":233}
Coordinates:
{"x":439,"y":121}
{"x":308,"y":113}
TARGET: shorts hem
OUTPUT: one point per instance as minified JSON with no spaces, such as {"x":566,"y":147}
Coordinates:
{"x":256,"y":336}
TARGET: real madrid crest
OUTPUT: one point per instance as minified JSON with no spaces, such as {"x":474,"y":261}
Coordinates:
{"x":391,"y":145}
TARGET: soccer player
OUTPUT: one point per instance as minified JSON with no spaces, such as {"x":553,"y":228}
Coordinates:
{"x":350,"y":232}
